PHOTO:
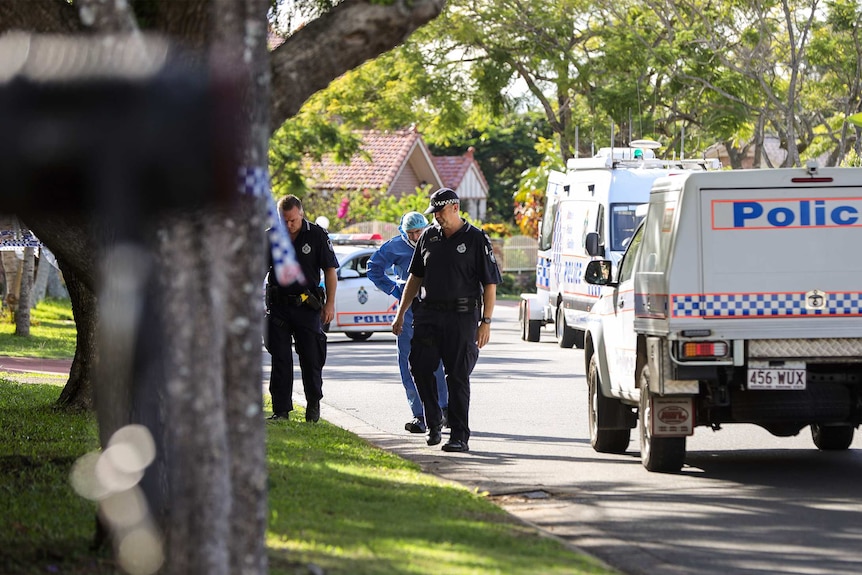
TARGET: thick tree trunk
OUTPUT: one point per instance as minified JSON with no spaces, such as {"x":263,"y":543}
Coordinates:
{"x":73,"y":242}
{"x":199,"y":500}
{"x":78,"y":392}
{"x":244,"y":24}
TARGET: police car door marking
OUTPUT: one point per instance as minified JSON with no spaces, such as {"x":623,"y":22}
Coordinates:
{"x":773,"y":214}
{"x":367,"y":318}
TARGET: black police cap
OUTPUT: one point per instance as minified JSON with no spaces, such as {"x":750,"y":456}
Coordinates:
{"x":442,"y":198}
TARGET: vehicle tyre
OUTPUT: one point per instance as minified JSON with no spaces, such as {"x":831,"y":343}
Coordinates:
{"x":531,"y":329}
{"x":832,"y":437}
{"x":580,"y":336}
{"x":358,"y":335}
{"x":534,"y":330}
{"x":603,"y":440}
{"x":664,"y":454}
{"x":566,"y":336}
{"x":522,"y":317}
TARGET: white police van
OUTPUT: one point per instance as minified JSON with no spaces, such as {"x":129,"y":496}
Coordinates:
{"x":360,"y":308}
{"x":737,"y":301}
{"x":598,"y":195}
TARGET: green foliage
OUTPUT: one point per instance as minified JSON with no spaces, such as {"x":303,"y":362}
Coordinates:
{"x":401,"y":88}
{"x":852,"y":160}
{"x":504,"y":149}
{"x":499,"y":78}
{"x":306,"y":136}
{"x":530,"y":197}
{"x":498,"y":230}
{"x":515,"y":284}
{"x":52,"y":332}
{"x":361,"y":206}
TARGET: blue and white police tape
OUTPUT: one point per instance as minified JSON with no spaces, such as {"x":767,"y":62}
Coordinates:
{"x":255,"y":181}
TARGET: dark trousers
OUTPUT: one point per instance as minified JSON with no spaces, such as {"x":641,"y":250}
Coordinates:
{"x":303,"y":325}
{"x":449,"y":336}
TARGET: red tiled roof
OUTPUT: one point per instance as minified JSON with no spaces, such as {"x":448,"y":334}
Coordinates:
{"x":387,"y":152}
{"x":452,"y":169}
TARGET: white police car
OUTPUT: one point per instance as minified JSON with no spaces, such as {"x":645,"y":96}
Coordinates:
{"x":360,"y":308}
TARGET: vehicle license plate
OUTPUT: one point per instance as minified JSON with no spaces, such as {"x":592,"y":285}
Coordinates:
{"x":776,"y":375}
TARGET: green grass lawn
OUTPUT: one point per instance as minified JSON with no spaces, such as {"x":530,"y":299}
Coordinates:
{"x":335,"y":501}
{"x":52,"y":332}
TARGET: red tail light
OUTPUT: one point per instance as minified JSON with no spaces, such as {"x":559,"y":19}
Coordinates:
{"x":704,"y":349}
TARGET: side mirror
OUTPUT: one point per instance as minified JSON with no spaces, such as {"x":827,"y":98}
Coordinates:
{"x":598,"y":273}
{"x":347,"y":273}
{"x":591,"y":242}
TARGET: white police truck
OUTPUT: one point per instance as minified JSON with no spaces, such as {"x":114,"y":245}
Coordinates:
{"x":738,"y":300}
{"x":598,"y":195}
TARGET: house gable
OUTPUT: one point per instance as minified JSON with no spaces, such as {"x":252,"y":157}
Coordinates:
{"x":398,"y":161}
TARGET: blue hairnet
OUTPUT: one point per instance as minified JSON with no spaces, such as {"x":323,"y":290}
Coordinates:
{"x":413,"y":221}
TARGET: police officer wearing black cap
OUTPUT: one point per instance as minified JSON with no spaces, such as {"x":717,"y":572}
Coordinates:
{"x":299,"y":312}
{"x":455,"y":265}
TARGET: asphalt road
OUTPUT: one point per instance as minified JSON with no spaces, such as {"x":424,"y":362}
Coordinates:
{"x":745,"y":502}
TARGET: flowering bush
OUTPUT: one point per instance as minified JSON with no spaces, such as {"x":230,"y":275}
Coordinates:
{"x":343,"y":207}
{"x":497,"y":230}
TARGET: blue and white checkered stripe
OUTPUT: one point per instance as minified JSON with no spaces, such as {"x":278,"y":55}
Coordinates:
{"x":255,"y":181}
{"x":20,"y":238}
{"x":764,"y":305}
{"x":543,"y":273}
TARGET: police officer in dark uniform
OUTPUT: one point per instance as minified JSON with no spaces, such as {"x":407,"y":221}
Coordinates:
{"x":455,"y":265}
{"x":300,"y":311}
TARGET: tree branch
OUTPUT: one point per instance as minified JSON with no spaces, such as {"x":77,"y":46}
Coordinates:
{"x":351,"y":33}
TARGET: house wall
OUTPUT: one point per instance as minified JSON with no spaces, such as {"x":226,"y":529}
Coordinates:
{"x":473,"y":196}
{"x":405,"y":184}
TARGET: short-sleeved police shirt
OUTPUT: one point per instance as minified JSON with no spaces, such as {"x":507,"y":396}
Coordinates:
{"x":314,"y":253}
{"x":454,"y":267}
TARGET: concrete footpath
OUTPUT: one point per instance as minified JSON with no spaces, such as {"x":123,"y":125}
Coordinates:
{"x":34,"y":370}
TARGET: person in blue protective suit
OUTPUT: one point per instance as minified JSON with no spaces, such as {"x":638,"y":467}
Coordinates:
{"x":396,"y":254}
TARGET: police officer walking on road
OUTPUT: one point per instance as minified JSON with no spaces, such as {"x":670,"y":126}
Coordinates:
{"x":299,"y":312}
{"x":455,"y":265}
{"x":396,"y":253}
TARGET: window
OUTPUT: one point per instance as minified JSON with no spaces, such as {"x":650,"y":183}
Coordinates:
{"x":546,"y":234}
{"x":628,"y":263}
{"x":359,"y":264}
{"x":624,"y":222}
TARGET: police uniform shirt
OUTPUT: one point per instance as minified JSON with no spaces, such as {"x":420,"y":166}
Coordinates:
{"x":454,"y":267}
{"x":314,"y":252}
